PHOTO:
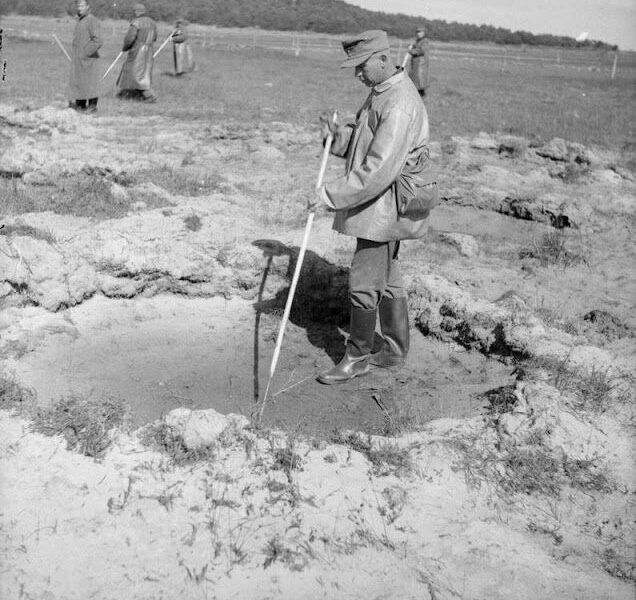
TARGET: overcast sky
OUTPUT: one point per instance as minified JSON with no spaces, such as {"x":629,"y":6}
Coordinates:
{"x":612,"y":21}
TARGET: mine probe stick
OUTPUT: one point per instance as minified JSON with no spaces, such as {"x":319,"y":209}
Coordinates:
{"x":405,"y":60}
{"x":62,"y":47}
{"x":112,"y":64}
{"x":162,"y":45}
{"x":299,"y":264}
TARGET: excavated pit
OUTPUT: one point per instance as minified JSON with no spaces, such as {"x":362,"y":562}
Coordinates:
{"x":168,"y":351}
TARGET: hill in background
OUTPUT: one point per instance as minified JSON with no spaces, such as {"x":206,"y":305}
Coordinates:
{"x":324,"y":16}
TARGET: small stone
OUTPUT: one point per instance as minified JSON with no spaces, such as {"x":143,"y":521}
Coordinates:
{"x":465,"y":244}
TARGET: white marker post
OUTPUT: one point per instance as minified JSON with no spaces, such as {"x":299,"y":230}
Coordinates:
{"x":614,"y":65}
{"x":299,"y":264}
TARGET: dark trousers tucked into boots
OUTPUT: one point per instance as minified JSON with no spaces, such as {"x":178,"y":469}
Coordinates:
{"x":394,"y":325}
{"x":375,"y":282}
{"x":356,"y":359}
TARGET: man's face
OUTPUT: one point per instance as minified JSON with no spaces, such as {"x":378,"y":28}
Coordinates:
{"x":373,"y":70}
{"x":82,"y":7}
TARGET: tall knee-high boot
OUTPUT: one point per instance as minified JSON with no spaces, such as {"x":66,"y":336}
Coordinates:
{"x":356,"y":359}
{"x":394,"y":325}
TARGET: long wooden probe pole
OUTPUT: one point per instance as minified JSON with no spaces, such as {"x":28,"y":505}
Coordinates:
{"x":62,"y":47}
{"x":112,"y":65}
{"x":299,"y":264}
{"x":162,"y":45}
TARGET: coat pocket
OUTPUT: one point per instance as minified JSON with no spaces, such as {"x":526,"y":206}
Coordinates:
{"x":416,"y":189}
{"x":415,"y":201}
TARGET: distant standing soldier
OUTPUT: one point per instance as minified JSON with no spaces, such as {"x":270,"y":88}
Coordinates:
{"x":418,"y":67}
{"x":135,"y":79}
{"x":84,"y":79}
{"x":183,"y":62}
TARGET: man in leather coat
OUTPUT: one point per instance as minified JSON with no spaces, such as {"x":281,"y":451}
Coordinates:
{"x":84,"y":78}
{"x":390,"y":133}
{"x":418,"y":67}
{"x":181,"y":51}
{"x":135,"y":79}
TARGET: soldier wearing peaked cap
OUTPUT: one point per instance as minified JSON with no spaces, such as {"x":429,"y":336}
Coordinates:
{"x":181,"y":51}
{"x":383,"y":197}
{"x":135,"y":78}
{"x":419,"y":63}
{"x":84,"y":78}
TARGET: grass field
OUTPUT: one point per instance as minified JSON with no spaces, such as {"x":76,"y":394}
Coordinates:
{"x":532,"y":92}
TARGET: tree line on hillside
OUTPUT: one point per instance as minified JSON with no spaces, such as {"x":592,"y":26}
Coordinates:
{"x":323,"y":16}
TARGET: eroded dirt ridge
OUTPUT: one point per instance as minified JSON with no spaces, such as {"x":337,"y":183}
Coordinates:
{"x":528,"y":497}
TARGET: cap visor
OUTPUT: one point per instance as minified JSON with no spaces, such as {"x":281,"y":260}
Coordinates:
{"x":354,"y":61}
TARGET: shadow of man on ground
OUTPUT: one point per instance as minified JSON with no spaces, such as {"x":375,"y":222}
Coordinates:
{"x":320,"y":305}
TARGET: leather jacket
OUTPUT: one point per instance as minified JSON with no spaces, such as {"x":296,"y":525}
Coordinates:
{"x":391,"y":130}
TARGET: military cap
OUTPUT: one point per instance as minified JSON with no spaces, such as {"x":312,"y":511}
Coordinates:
{"x":421,"y":28}
{"x":364,"y":45}
{"x":140,"y":8}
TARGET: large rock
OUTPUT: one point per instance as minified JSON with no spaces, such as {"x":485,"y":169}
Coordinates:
{"x":201,"y":428}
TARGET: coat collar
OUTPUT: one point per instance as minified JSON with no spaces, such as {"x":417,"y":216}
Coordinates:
{"x":387,"y":83}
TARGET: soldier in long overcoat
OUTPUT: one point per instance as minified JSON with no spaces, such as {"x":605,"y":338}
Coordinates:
{"x":181,"y":51}
{"x":135,"y":79}
{"x":419,"y":63}
{"x":387,"y":142}
{"x":84,"y":77}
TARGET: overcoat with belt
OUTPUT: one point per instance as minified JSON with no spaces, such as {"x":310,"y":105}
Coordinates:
{"x":418,"y":68}
{"x":390,"y":133}
{"x":84,"y":79}
{"x":136,"y":74}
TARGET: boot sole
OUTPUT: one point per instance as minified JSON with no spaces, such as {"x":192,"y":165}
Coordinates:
{"x":397,"y":365}
{"x":386,"y":363}
{"x":319,"y":379}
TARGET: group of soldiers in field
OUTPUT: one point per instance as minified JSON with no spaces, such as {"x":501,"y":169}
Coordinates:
{"x":384,"y":196}
{"x":135,"y":78}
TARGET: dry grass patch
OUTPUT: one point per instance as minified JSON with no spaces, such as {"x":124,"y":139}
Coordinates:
{"x":595,"y":390}
{"x":552,"y":249}
{"x":192,"y":222}
{"x":181,"y":181}
{"x":530,"y":468}
{"x":80,"y":195}
{"x":386,"y":458}
{"x":165,"y":439}
{"x":23,"y":229}
{"x":87,"y":424}
{"x":13,"y":395}
{"x":525,"y":466}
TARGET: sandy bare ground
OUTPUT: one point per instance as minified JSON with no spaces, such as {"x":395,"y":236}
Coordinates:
{"x":527,"y":272}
